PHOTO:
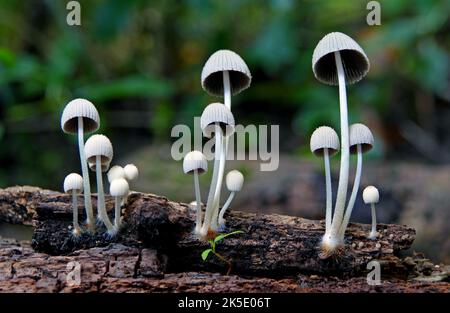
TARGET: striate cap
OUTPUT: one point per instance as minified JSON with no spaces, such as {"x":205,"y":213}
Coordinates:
{"x":119,"y":188}
{"x":195,"y":160}
{"x":217,"y":113}
{"x":360,"y":134}
{"x":324,"y":137}
{"x":98,"y":145}
{"x":80,"y":108}
{"x":73,"y":182}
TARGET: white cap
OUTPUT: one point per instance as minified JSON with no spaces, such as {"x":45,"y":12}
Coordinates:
{"x":234,"y":180}
{"x":371,"y":195}
{"x":115,"y":172}
{"x":73,"y":182}
{"x":324,"y":137}
{"x":195,"y":160}
{"x":80,"y":108}
{"x":217,"y":113}
{"x":119,"y":188}
{"x":225,"y":60}
{"x":131,"y":172}
{"x":354,"y":60}
{"x":98,"y":145}
{"x":360,"y":134}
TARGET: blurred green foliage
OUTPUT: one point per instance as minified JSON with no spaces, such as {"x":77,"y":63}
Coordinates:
{"x":140,"y":63}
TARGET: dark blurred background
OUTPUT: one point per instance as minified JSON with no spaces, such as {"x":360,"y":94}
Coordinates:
{"x":140,"y":61}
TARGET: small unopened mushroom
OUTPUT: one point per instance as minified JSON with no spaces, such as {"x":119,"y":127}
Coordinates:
{"x":361,"y":141}
{"x":325,"y":143}
{"x":115,"y":172}
{"x":73,"y":183}
{"x":131,"y":172}
{"x":234,"y":181}
{"x":119,"y":189}
{"x":99,"y":150}
{"x":217,"y":119}
{"x":195,"y":163}
{"x":80,"y":116}
{"x":372,"y":196}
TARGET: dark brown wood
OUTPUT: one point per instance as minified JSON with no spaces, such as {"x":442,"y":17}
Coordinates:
{"x":271,"y":246}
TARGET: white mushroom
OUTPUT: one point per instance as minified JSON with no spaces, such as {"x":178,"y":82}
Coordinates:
{"x":195,"y":163}
{"x":372,"y":196}
{"x":115,"y":172}
{"x":80,"y":116}
{"x":337,"y":60}
{"x":131,"y":172}
{"x":325,"y":143}
{"x":99,"y":150}
{"x":361,"y":141}
{"x":234,"y":181}
{"x":73,"y":184}
{"x":119,"y":188}
{"x":217,"y":119}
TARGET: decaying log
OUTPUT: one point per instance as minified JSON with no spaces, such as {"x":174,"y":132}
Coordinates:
{"x":272,"y":245}
{"x":118,"y":268}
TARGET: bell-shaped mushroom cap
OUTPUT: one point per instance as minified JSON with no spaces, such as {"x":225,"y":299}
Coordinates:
{"x":80,"y":108}
{"x":195,"y":160}
{"x":324,"y":137}
{"x":225,"y":60}
{"x":115,"y":172}
{"x":104,"y":166}
{"x":354,"y":60}
{"x":73,"y":182}
{"x":371,"y":195}
{"x":234,"y":180}
{"x":360,"y":134}
{"x":119,"y":188}
{"x":217,"y":113}
{"x":98,"y":145}
{"x":131,"y":172}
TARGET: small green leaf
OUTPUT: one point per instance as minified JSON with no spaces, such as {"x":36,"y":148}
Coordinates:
{"x":220,"y":237}
{"x":205,"y":254}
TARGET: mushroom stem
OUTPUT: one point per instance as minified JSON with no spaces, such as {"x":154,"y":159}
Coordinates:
{"x":212,"y":188}
{"x":85,"y":172}
{"x":373,"y":232}
{"x":345,"y":151}
{"x":102,"y":214}
{"x":227,"y":89}
{"x":216,"y":202}
{"x":224,"y":208}
{"x":117,"y":212}
{"x":328,"y":190}
{"x":76,"y":225}
{"x":351,"y":201}
{"x":198,"y":222}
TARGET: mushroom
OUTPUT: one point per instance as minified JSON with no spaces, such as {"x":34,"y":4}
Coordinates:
{"x":234,"y":181}
{"x":73,"y":183}
{"x":217,"y":119}
{"x":361,"y":141}
{"x":224,"y":74}
{"x":325,"y":143}
{"x":119,"y":188}
{"x":195,"y":163}
{"x":115,"y":172}
{"x":99,"y":150}
{"x":131,"y":172}
{"x":80,"y":116}
{"x":372,"y":196}
{"x":337,"y":60}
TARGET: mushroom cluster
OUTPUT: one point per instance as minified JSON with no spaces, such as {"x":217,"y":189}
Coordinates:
{"x":224,"y":74}
{"x":80,"y":116}
{"x":339,"y":60}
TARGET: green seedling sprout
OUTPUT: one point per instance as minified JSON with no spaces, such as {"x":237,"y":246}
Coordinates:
{"x":213,"y":245}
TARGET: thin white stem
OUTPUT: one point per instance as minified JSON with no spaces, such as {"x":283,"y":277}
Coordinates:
{"x":225,"y":207}
{"x":328,"y":191}
{"x":212,"y":188}
{"x":85,"y":172}
{"x":227,"y":89}
{"x":373,"y":232}
{"x":76,"y":225}
{"x":345,"y":151}
{"x":216,"y":202}
{"x":351,"y":201}
{"x":117,"y":212}
{"x":198,"y":200}
{"x":101,"y":208}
